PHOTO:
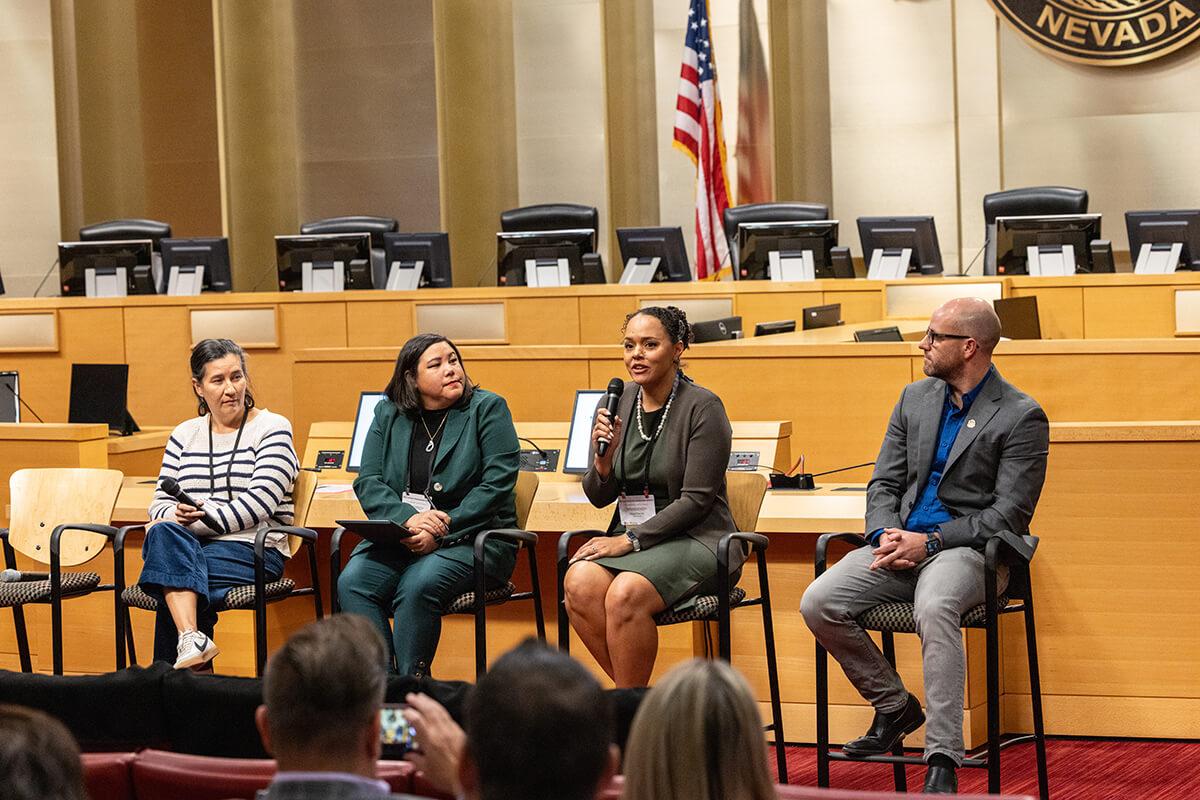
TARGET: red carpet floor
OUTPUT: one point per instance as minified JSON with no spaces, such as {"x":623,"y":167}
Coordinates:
{"x":1088,"y":769}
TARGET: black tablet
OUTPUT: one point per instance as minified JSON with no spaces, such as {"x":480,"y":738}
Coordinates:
{"x":379,"y":531}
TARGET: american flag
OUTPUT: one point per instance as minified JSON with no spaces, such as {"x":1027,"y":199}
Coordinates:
{"x":698,"y":133}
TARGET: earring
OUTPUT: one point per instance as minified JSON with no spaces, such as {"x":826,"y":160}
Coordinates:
{"x":202,"y":407}
{"x":249,"y":400}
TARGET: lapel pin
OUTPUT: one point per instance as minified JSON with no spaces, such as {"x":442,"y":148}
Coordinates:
{"x":970,"y":423}
{"x":437,"y":487}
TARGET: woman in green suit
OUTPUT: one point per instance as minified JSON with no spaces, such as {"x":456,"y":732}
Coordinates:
{"x":441,"y":460}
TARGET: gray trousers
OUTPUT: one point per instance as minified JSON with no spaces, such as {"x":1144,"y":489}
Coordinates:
{"x":941,"y":589}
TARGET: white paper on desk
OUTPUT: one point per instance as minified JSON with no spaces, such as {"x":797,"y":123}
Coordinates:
{"x":334,"y":489}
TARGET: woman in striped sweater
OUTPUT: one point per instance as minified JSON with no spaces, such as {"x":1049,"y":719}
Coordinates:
{"x":238,"y":463}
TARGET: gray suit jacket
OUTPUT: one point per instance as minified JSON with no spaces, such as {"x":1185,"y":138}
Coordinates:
{"x":698,"y":439}
{"x":326,"y":790}
{"x":994,"y":473}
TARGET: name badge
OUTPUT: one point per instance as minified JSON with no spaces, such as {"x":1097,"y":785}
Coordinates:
{"x":418,"y":501}
{"x":635,"y":510}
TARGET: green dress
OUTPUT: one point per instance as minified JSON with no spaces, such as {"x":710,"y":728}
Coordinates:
{"x":681,"y":567}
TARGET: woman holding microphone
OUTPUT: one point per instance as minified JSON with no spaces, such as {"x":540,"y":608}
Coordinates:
{"x":669,"y":445}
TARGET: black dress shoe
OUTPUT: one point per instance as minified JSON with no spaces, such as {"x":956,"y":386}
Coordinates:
{"x":940,"y":780}
{"x":886,"y":730}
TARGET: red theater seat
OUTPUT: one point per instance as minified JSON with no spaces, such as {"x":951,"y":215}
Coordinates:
{"x":106,"y":776}
{"x":159,"y":775}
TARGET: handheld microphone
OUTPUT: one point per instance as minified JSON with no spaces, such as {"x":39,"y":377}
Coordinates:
{"x":172,"y":487}
{"x":14,"y":575}
{"x":611,"y":400}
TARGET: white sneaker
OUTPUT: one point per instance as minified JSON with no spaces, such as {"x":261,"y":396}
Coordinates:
{"x":194,"y":648}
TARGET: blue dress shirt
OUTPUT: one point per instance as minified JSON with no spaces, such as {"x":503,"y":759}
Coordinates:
{"x":928,"y":512}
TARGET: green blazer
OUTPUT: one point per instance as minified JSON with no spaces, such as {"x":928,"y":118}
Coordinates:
{"x":474,"y":473}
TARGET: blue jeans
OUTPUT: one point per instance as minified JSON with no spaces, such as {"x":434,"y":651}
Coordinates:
{"x":382,"y":582}
{"x":175,"y":559}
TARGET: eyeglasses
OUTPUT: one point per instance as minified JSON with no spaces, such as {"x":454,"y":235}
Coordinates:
{"x":934,"y":337}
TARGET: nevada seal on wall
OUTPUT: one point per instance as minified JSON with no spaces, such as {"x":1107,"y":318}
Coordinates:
{"x":1107,"y":33}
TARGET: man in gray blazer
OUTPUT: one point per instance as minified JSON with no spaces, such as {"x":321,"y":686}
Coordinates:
{"x":964,"y":458}
{"x":322,"y":693}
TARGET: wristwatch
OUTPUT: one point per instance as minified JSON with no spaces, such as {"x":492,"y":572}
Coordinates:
{"x":633,"y":540}
{"x":932,"y":544}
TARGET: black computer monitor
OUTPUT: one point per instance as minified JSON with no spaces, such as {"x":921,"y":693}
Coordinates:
{"x":1166,"y":228}
{"x":756,"y":241}
{"x":514,"y":248}
{"x":889,"y":334}
{"x":106,"y":261}
{"x":1018,"y":317}
{"x":324,"y":252}
{"x":405,"y":249}
{"x":99,"y":393}
{"x":1014,"y":235}
{"x":10,"y":393}
{"x":772,"y":328}
{"x":210,"y":252}
{"x":362,"y":423}
{"x":665,"y":244}
{"x":716,"y":330}
{"x":822,"y":316}
{"x":918,"y":234}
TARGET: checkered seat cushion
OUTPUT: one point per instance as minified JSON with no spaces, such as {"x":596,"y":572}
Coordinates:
{"x":465,"y":603}
{"x":238,"y":597}
{"x":17,"y":593}
{"x":898,"y":617}
{"x":704,"y":607}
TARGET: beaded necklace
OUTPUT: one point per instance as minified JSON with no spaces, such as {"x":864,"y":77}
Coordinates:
{"x":666,"y":410}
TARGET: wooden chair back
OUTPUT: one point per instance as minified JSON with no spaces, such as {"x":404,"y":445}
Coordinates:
{"x":43,"y":499}
{"x":527,"y":484}
{"x":302,"y":494}
{"x":745,"y":491}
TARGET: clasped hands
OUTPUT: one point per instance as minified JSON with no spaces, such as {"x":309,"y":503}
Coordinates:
{"x":899,"y":549}
{"x":428,"y":527}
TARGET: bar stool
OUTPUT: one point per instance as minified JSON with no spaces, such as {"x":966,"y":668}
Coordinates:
{"x":892,"y":618}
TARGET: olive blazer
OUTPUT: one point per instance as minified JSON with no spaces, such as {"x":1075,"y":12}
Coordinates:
{"x":473,"y":476}
{"x":698,"y":438}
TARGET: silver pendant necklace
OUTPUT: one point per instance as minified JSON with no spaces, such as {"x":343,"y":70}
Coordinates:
{"x":429,"y":447}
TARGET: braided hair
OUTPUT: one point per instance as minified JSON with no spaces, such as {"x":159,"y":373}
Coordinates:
{"x":674,"y":322}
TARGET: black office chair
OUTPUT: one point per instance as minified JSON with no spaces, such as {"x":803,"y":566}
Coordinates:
{"x":893,"y":618}
{"x":557,"y":217}
{"x":1026,"y":202}
{"x":360,"y":223}
{"x":782,"y":212}
{"x":746,"y":491}
{"x":469,"y":602}
{"x":120,"y":230}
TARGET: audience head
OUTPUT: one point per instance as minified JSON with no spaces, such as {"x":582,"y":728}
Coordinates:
{"x":962,"y":335}
{"x":39,"y":759}
{"x":539,"y":727}
{"x":322,"y":692}
{"x":429,"y":374}
{"x":698,"y":734}
{"x":654,"y":340}
{"x":220,"y":380}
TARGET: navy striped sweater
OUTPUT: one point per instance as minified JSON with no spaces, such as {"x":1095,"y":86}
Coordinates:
{"x":256,"y":493}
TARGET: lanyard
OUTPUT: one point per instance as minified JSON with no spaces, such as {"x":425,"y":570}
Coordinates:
{"x":212,"y":470}
{"x":646,"y":473}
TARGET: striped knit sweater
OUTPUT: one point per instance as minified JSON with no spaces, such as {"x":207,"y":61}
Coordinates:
{"x":264,"y":468}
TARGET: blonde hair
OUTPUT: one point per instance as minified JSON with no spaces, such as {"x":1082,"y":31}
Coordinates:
{"x":698,"y":734}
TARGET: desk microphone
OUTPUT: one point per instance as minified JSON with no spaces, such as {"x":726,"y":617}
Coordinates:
{"x":963,"y":274}
{"x":172,"y":487}
{"x":611,"y":400}
{"x":22,"y":402}
{"x":13,"y":576}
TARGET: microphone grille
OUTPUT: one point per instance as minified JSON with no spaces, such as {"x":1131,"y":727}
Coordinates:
{"x":616,"y":386}
{"x":169,"y":485}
